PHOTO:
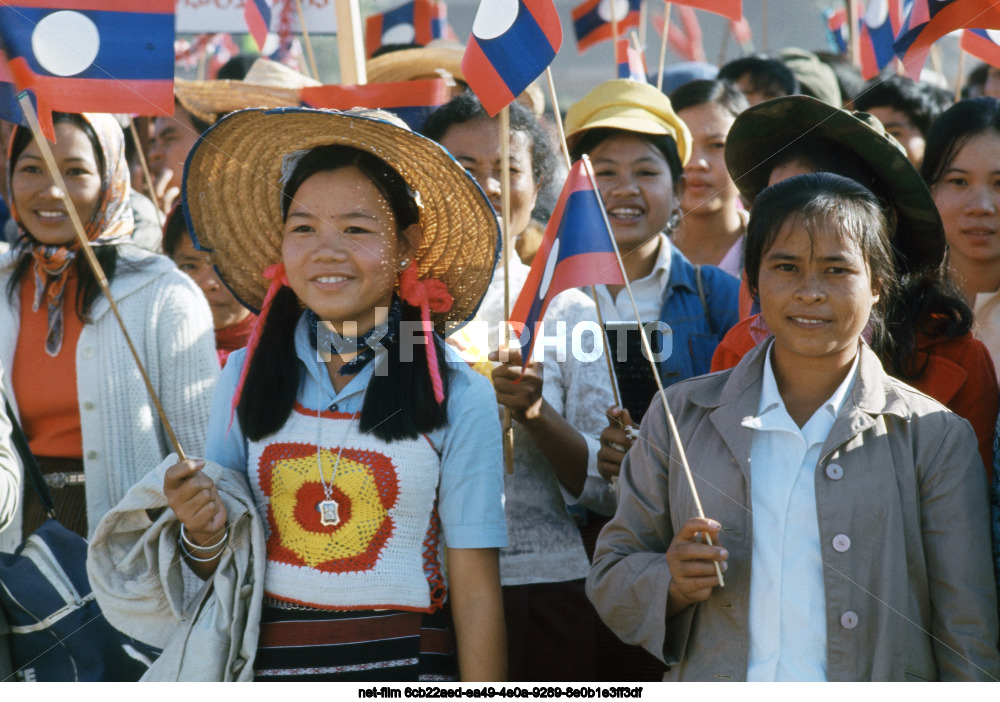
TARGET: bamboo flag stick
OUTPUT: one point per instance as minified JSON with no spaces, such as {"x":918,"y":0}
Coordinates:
{"x":854,"y":35}
{"x":648,"y":352}
{"x":305,"y":39}
{"x":643,"y":19}
{"x":145,"y":171}
{"x":102,"y":281}
{"x":508,"y":426}
{"x":960,"y":78}
{"x":663,"y":47}
{"x":564,"y":147}
{"x":350,"y":44}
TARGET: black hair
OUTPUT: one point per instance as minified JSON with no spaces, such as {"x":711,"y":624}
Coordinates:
{"x":200,"y":125}
{"x":818,"y":201}
{"x":975,"y":81}
{"x":768,"y":74}
{"x":664,"y":143}
{"x":849,"y":78}
{"x":88,"y":289}
{"x":953,"y":130}
{"x":237,"y":67}
{"x":902,"y":94}
{"x":398,"y":404}
{"x":173,"y":230}
{"x":701,"y":92}
{"x":466,"y":107}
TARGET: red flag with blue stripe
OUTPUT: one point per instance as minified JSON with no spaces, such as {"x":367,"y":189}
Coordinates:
{"x":416,"y":22}
{"x":984,"y":44}
{"x":512,"y":43}
{"x":631,"y":64}
{"x":10,"y":109}
{"x":878,"y":32}
{"x":412,"y":101}
{"x":576,"y":251}
{"x":926,"y":21}
{"x":91,"y":55}
{"x":592,"y":20}
{"x":257,"y":15}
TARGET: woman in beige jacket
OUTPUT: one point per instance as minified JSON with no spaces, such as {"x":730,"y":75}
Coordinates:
{"x":870,"y":558}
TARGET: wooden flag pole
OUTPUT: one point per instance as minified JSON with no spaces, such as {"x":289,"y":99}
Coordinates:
{"x":648,"y":352}
{"x":643,"y":20}
{"x":102,"y":281}
{"x":305,"y":39}
{"x":145,"y":171}
{"x":508,"y":426}
{"x":350,"y":46}
{"x":960,"y":78}
{"x":855,"y":35}
{"x":564,"y":147}
{"x":614,"y":35}
{"x":663,"y":47}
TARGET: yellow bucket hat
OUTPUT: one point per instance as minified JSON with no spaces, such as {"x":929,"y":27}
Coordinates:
{"x":630,"y":106}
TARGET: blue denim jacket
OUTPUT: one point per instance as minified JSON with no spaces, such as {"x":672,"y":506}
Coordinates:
{"x":695,"y":334}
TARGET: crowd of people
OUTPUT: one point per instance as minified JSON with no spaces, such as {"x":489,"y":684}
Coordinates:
{"x":808,"y":499}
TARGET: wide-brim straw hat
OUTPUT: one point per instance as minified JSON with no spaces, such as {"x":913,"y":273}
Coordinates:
{"x":630,"y":106}
{"x":232,"y":199}
{"x":761,"y":132}
{"x":267,"y":84}
{"x":425,"y":62}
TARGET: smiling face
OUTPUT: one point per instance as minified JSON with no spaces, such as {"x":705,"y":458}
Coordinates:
{"x":341,"y":249}
{"x":816,"y":295}
{"x":476,"y":145}
{"x":637,"y":188}
{"x":968,"y":197}
{"x":707,"y":185}
{"x":40,"y":208}
{"x":173,"y":138}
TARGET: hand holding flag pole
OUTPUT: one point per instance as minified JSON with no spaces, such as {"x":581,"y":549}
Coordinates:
{"x":648,"y":352}
{"x":102,"y":281}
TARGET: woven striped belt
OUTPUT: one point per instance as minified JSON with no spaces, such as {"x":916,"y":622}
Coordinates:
{"x":62,"y":479}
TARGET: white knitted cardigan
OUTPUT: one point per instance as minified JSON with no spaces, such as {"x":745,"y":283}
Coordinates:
{"x":171,"y":326}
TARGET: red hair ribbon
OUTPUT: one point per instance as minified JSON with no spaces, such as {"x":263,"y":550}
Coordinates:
{"x":429,"y":295}
{"x":276,"y":274}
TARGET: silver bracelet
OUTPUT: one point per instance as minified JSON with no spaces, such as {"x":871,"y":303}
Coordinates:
{"x":187,"y":554}
{"x":209,"y":547}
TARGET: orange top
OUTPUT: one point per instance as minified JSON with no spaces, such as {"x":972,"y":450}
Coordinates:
{"x":45,"y":387}
{"x":959,"y":374}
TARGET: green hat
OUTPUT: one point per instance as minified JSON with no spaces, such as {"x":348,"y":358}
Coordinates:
{"x":763,"y":131}
{"x":815,"y":77}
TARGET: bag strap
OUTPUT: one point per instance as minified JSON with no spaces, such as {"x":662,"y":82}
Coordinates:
{"x":704,"y":300}
{"x":31,"y":468}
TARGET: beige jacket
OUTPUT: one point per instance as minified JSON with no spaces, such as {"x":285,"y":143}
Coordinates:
{"x":134,"y":566}
{"x":911,"y":598}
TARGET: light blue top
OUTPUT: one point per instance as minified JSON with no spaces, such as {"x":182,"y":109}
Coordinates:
{"x":470,"y":493}
{"x":787,"y":613}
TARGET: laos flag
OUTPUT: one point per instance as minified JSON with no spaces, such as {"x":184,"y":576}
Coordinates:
{"x":412,"y":100}
{"x":836,"y":30}
{"x":577,"y":250}
{"x":91,"y":55}
{"x":512,"y":43}
{"x":926,"y":21}
{"x":416,"y":22}
{"x":984,"y":44}
{"x":257,"y":15}
{"x":877,"y":36}
{"x":592,"y":20}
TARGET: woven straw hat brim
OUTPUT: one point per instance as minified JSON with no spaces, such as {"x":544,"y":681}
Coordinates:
{"x":232,"y":199}
{"x":209,"y":99}
{"x":766,"y":129}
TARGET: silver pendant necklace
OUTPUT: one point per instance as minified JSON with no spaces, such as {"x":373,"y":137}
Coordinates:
{"x":329,"y":508}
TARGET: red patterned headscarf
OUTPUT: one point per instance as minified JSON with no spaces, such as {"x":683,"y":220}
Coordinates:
{"x":112,"y":221}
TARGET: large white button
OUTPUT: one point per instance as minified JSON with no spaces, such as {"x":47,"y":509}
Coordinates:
{"x":88,"y":352}
{"x":849,"y":620}
{"x":841,"y":542}
{"x":834,"y":472}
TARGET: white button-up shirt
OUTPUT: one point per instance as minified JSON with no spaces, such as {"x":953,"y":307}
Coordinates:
{"x":787,"y":614}
{"x":648,"y":292}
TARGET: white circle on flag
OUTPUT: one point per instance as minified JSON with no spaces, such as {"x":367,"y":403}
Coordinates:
{"x":495,"y":17}
{"x":621,"y":10}
{"x":66,"y":43}
{"x":877,"y":13}
{"x":400,"y":34}
{"x":994,"y":35}
{"x":550,"y":268}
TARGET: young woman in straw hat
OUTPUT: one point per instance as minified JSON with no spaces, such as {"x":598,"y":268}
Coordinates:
{"x":557,"y":405}
{"x":370,"y":453}
{"x":75,"y":386}
{"x":847,"y":510}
